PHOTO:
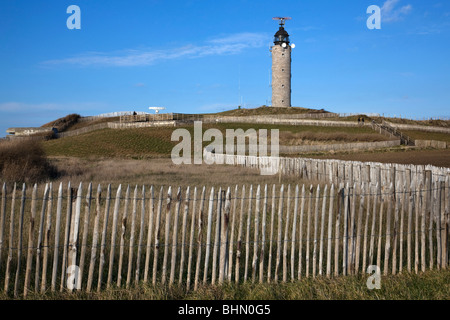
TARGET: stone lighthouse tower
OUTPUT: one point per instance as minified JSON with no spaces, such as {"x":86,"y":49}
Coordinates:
{"x":281,"y":67}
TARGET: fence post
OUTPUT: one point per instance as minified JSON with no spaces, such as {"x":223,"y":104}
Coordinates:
{"x":141,"y":236}
{"x":308,"y":229}
{"x":87,"y":214}
{"x":285,"y":244}
{"x":263,"y":237}
{"x":387,"y":247}
{"x":217,"y":248}
{"x":247,"y":237}
{"x":175,"y":238}
{"x":113,"y":236}
{"x":256,"y":233}
{"x":94,"y":238}
{"x":322,"y":230}
{"x":330,"y":221}
{"x":183,"y":235}
{"x":149,"y":234}
{"x":46,"y":236}
{"x":11,"y":237}
{"x":132,"y":236}
{"x":122,"y":236}
{"x":224,"y":237}
{"x":166,"y":235}
{"x":103,"y":243}
{"x":2,"y":221}
{"x":279,"y":239}
{"x":30,"y":241}
{"x":40,"y":236}
{"x":294,"y":232}
{"x":57,"y":232}
{"x":208,"y":235}
{"x":199,"y":239}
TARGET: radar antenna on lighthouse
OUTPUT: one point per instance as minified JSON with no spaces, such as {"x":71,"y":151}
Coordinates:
{"x":157,"y":109}
{"x":282,"y":19}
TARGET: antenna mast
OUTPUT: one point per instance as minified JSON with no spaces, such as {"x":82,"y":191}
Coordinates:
{"x":282,"y":20}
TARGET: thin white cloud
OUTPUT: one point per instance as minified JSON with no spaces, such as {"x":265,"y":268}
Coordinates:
{"x":232,"y":44}
{"x":390,"y":12}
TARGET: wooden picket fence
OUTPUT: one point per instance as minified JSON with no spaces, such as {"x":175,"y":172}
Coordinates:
{"x":79,"y":239}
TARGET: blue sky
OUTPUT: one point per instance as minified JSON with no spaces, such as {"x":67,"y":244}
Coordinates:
{"x":208,"y":56}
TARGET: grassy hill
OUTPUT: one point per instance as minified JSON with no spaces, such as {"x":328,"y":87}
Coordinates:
{"x":156,"y":142}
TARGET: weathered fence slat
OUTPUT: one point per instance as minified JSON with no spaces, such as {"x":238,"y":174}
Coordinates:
{"x":330,"y":222}
{"x":113,"y":236}
{"x":280,"y":226}
{"x":2,"y":221}
{"x":217,"y":236}
{"x":19,"y":244}
{"x":175,"y":237}
{"x":132,"y":236}
{"x":30,"y":241}
{"x":256,"y":233}
{"x":224,"y":236}
{"x":294,"y":233}
{"x":149,"y":234}
{"x":57,"y":237}
{"x":167,"y":235}
{"x":183,"y":235}
{"x":103,"y":243}
{"x":247,"y":237}
{"x":123,"y":230}
{"x":39,"y":240}
{"x":191,"y":240}
{"x":66,"y":234}
{"x":263,"y":237}
{"x":11,"y":237}
{"x":87,"y":214}
{"x":316,"y":227}
{"x":46,"y":236}
{"x":141,"y":237}
{"x":272,"y":218}
{"x":308,"y":230}
{"x":157,"y":235}
{"x":322,"y":229}
{"x":208,"y":235}
{"x":286,"y":236}
{"x":94,"y":238}
{"x":199,"y":239}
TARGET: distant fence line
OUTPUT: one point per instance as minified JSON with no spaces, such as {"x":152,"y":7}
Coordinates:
{"x":431,"y":144}
{"x":339,"y":146}
{"x":419,"y":127}
{"x":336,"y":171}
{"x":84,"y":240}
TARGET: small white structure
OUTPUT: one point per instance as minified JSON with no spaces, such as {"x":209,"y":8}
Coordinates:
{"x":157,"y":109}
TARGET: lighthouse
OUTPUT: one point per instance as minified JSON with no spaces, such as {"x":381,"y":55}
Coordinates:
{"x":281,"y":67}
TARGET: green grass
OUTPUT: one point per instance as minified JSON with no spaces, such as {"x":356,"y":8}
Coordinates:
{"x":431,"y":285}
{"x":156,"y":142}
{"x":423,"y":135}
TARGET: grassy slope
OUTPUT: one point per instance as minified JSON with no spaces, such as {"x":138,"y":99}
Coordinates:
{"x":431,"y":285}
{"x":154,"y":142}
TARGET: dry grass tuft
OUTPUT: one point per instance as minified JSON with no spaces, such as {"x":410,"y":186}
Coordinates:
{"x":24,"y":161}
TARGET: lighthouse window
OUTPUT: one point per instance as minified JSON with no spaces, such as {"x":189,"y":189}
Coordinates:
{"x":282,"y":70}
{"x":282,"y":85}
